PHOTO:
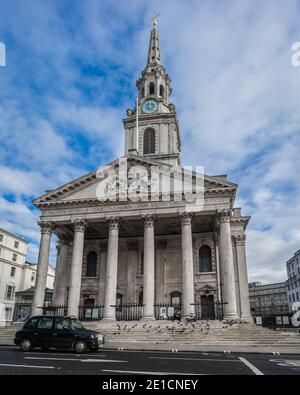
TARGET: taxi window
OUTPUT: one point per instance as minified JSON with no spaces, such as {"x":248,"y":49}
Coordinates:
{"x":31,"y":323}
{"x":61,"y":323}
{"x":45,"y":323}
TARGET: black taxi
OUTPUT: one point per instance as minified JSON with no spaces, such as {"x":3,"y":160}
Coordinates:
{"x":57,"y":332}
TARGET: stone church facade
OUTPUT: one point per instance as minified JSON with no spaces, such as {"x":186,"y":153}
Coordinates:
{"x":148,"y":251}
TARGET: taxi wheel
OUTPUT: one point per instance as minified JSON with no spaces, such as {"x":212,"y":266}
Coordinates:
{"x":80,"y":346}
{"x":26,"y":345}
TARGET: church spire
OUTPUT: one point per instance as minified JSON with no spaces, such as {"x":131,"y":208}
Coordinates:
{"x":154,"y":47}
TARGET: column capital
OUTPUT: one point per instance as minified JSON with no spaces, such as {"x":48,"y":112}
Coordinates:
{"x":240,"y":240}
{"x":149,"y":220}
{"x":186,"y":218}
{"x":224,"y":215}
{"x":46,"y":227}
{"x":113,"y":223}
{"x":79,"y":224}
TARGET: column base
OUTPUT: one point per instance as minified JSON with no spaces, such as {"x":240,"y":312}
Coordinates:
{"x":232,"y":317}
{"x":148,"y":318}
{"x":247,"y":320}
{"x":108,"y":319}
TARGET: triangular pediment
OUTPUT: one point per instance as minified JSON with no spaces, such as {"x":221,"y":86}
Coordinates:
{"x":85,"y":187}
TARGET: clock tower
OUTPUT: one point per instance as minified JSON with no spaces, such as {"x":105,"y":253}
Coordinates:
{"x":153,"y":132}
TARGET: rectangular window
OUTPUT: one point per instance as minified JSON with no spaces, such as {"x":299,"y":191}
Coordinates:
{"x":14,"y":257}
{"x":293,"y":296}
{"x":12,"y":271}
{"x":8,"y":313}
{"x":1,"y":237}
{"x":32,"y":276}
{"x":9,"y":292}
{"x":17,"y":244}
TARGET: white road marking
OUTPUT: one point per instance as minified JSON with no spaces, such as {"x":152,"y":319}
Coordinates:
{"x":74,"y":359}
{"x":101,"y":360}
{"x":27,"y":366}
{"x":198,"y":359}
{"x":252,"y":367}
{"x":151,"y":373}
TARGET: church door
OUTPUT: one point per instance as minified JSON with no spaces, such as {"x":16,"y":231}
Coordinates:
{"x":207,"y":307}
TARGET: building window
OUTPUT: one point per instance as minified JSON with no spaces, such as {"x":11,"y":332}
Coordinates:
{"x":14,"y":257}
{"x":32,"y":276}
{"x":161,"y":90}
{"x":8,"y":313}
{"x":142,"y":263}
{"x":205,"y":264}
{"x":151,"y":88}
{"x":1,"y":237}
{"x":149,"y":141}
{"x":12,"y":271}
{"x":141,"y":298}
{"x":91,"y":265}
{"x":17,"y":244}
{"x":175,"y":298}
{"x":9,"y":292}
{"x":119,"y":299}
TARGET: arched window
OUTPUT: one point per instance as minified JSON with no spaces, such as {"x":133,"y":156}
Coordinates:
{"x":175,"y":298}
{"x":142,"y":263}
{"x":149,"y":141}
{"x":141,"y":298}
{"x":119,"y":299}
{"x":151,"y":88}
{"x":143,"y":92}
{"x":91,"y":264}
{"x":161,"y":90}
{"x":205,"y":264}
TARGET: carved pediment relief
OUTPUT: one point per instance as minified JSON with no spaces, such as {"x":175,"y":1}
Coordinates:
{"x":125,"y":174}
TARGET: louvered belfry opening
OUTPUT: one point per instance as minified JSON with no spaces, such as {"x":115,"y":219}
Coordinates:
{"x":149,"y":141}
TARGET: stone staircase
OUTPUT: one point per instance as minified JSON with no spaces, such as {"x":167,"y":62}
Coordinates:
{"x":176,"y":334}
{"x":198,"y":333}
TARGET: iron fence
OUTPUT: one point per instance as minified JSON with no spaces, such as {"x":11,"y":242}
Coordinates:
{"x":58,"y":309}
{"x":209,"y":311}
{"x":128,"y":312}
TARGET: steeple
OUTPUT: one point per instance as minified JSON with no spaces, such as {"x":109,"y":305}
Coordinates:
{"x":154,"y":57}
{"x":152,"y":128}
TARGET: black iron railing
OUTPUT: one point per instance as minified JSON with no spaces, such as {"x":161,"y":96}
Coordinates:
{"x":209,"y":311}
{"x":58,"y":309}
{"x":129,"y":312}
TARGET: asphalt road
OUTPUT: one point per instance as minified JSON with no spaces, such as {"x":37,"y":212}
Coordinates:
{"x":107,"y":362}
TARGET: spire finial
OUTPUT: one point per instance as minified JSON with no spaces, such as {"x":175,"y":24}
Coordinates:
{"x":154,"y":19}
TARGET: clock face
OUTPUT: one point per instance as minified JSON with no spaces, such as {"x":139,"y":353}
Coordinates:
{"x":149,"y":106}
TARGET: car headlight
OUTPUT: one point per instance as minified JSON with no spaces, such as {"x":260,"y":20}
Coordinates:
{"x":100,"y":337}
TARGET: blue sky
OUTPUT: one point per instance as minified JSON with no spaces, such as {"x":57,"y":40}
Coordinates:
{"x":70,"y":76}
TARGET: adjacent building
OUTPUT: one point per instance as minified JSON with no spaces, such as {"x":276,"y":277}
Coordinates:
{"x":268,"y":299}
{"x":16,"y":274}
{"x":293,"y":281}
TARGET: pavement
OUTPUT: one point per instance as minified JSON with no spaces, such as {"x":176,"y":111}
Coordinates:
{"x":115,"y":362}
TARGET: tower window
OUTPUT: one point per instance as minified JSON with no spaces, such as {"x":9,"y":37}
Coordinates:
{"x":162,"y":91}
{"x":149,"y":141}
{"x":205,"y":264}
{"x":151,"y":88}
{"x":91,"y":266}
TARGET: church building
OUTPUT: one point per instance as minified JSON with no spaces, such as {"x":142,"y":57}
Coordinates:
{"x":144,"y":244}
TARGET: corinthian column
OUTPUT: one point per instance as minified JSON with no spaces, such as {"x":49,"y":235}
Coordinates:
{"x":76,"y":267}
{"x":227,"y":266}
{"x":61,"y":272}
{"x":109,"y":312}
{"x":149,"y":268}
{"x":243,"y":278}
{"x":188,"y":297}
{"x":42,"y":268}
